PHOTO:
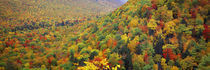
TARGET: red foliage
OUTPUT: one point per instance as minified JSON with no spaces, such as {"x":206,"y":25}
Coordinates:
{"x":128,"y":27}
{"x":30,"y":63}
{"x":78,"y":40}
{"x":169,"y":53}
{"x":146,"y":58}
{"x":93,"y":35}
{"x":109,"y":43}
{"x":29,"y":35}
{"x":120,"y":62}
{"x":206,"y":31}
{"x":144,"y":28}
{"x":126,"y":17}
{"x":104,"y":50}
{"x":193,"y":13}
{"x":19,"y":61}
{"x":104,"y":55}
{"x":32,"y":47}
{"x":154,"y":6}
{"x":42,"y":38}
{"x":49,"y":60}
{"x":27,"y":41}
{"x":10,"y":43}
{"x":138,"y":43}
{"x":149,"y":8}
{"x":115,"y":43}
{"x":203,"y":2}
{"x":97,"y":59}
{"x":109,"y":64}
{"x":98,"y":43}
{"x":161,"y":23}
{"x":25,"y":45}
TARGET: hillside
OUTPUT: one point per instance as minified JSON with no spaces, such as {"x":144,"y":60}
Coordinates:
{"x":140,"y":35}
{"x":20,"y":12}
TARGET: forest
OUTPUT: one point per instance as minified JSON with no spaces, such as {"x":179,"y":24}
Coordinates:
{"x":139,"y":35}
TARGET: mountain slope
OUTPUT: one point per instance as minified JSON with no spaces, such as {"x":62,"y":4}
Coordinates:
{"x":17,"y":12}
{"x":156,"y":34}
{"x":140,"y":35}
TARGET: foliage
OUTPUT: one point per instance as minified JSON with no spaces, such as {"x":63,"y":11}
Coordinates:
{"x":139,"y":35}
{"x":204,"y":62}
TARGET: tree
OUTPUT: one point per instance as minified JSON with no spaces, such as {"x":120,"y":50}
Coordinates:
{"x":168,"y":53}
{"x":114,"y":59}
{"x":170,"y":27}
{"x":134,"y":22}
{"x":204,"y":65}
{"x":152,"y":24}
{"x":157,"y":58}
{"x":159,"y":44}
{"x":187,"y":63}
{"x":93,"y":54}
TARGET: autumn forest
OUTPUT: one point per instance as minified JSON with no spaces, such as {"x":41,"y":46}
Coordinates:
{"x":104,"y":35}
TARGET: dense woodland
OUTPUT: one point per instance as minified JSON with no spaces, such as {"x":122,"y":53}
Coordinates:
{"x":33,"y":14}
{"x":140,"y":35}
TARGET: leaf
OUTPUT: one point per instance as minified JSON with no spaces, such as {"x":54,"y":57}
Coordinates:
{"x":124,"y":37}
{"x":152,"y":24}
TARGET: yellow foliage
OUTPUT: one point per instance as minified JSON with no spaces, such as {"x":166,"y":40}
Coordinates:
{"x":208,"y":48}
{"x":155,"y":67}
{"x":48,"y":36}
{"x":89,"y":48}
{"x":174,"y":68}
{"x":152,"y":24}
{"x":109,"y":42}
{"x":0,"y":42}
{"x":89,"y":66}
{"x":138,"y":60}
{"x":93,"y":42}
{"x":54,"y":67}
{"x":185,"y":45}
{"x":115,"y":68}
{"x":125,"y":38}
{"x":11,"y":33}
{"x":132,"y":45}
{"x":136,"y":38}
{"x":188,"y":63}
{"x":169,"y":46}
{"x":26,"y":65}
{"x":164,"y":65}
{"x":134,"y":22}
{"x":43,"y":67}
{"x":77,"y":55}
{"x":114,"y":58}
{"x":169,"y":27}
{"x":2,"y":68}
{"x":104,"y":62}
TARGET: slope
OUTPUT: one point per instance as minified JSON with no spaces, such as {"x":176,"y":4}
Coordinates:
{"x":20,"y":12}
{"x":140,"y":35}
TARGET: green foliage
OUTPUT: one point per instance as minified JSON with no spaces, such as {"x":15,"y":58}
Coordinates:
{"x":143,"y":37}
{"x":94,"y":29}
{"x":93,"y":53}
{"x":117,"y":36}
{"x":148,"y":67}
{"x":140,"y":35}
{"x":187,"y":63}
{"x":204,"y":62}
{"x":157,"y":58}
{"x":136,"y":31}
{"x":115,"y":26}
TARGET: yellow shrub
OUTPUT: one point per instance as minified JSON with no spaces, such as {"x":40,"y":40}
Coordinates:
{"x":152,"y":24}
